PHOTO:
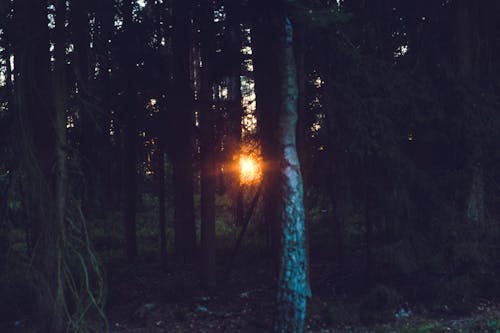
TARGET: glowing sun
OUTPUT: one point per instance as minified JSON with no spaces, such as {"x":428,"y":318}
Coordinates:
{"x":250,"y":170}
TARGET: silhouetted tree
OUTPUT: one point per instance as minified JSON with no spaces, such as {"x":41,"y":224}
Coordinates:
{"x":182,"y":131}
{"x":40,"y":123}
{"x":130,"y":110}
{"x":266,"y":60}
{"x":208,"y":146}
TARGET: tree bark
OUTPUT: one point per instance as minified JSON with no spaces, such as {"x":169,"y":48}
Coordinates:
{"x":468,"y":46}
{"x":130,"y":143}
{"x":107,"y":186}
{"x":265,"y":50}
{"x":60,"y":176}
{"x":60,"y":101}
{"x":87,"y":128}
{"x":233,"y":62}
{"x":182,"y":131}
{"x":110,"y":163}
{"x":464,"y":33}
{"x":207,"y":149}
{"x":476,"y":211}
{"x":369,"y":216}
{"x":162,"y":206}
{"x":303,"y":130}
{"x":42,"y":122}
{"x":293,"y":288}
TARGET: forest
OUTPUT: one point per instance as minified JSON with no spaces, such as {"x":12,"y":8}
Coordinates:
{"x":249,"y":166}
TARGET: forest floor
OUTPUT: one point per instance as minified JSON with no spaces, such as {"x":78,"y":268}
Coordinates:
{"x":145,"y":298}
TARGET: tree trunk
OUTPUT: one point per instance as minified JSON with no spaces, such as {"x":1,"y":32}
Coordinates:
{"x":207,"y":149}
{"x":292,"y":284}
{"x":130,"y":107}
{"x":368,"y":274}
{"x":265,"y":52}
{"x":464,"y":32}
{"x":208,"y":181}
{"x":43,"y":144}
{"x":476,"y":211}
{"x":162,"y":206}
{"x":182,"y":132}
{"x":341,"y":199}
{"x":110,"y":163}
{"x":469,"y":45}
{"x":303,"y":125}
{"x":233,"y":61}
{"x":60,"y":101}
{"x":88,"y":133}
{"x":130,"y":186}
{"x":60,"y":176}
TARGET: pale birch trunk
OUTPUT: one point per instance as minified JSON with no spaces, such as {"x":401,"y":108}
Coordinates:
{"x":293,"y":288}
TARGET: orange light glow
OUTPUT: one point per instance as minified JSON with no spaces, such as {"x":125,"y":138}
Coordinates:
{"x":250,"y":170}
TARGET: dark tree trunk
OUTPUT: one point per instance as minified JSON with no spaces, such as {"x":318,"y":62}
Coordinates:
{"x":130,"y":185}
{"x":81,"y":36}
{"x":233,"y":59}
{"x":342,"y":203}
{"x":233,"y":62}
{"x":293,"y":288}
{"x":130,"y":143}
{"x":110,"y":161}
{"x":207,"y":148}
{"x":182,"y":133}
{"x":87,"y":127}
{"x":368,"y":274}
{"x":464,"y":33}
{"x":468,"y":48}
{"x":208,"y":182}
{"x":60,"y":176}
{"x":43,"y":142}
{"x":265,"y":52}
{"x":60,"y":101}
{"x":162,"y":206}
